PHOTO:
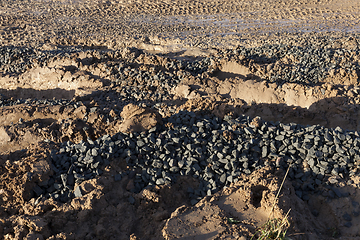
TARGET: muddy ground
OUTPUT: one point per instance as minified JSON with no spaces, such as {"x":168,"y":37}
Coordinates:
{"x":75,"y":97}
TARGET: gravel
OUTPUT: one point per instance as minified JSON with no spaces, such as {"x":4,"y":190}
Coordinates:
{"x":308,"y":63}
{"x":4,"y":101}
{"x":207,"y":148}
{"x":150,"y":87}
{"x":15,"y":60}
{"x":159,"y":156}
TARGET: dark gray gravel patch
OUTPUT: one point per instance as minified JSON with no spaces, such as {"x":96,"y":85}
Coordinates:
{"x":4,"y":101}
{"x":311,"y":63}
{"x":308,"y":63}
{"x":149,"y":87}
{"x":157,"y":159}
{"x":15,"y":60}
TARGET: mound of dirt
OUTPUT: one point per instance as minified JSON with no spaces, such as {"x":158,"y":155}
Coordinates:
{"x":137,"y":119}
{"x":239,"y":211}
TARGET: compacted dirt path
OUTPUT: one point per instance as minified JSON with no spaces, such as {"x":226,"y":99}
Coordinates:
{"x":178,"y":119}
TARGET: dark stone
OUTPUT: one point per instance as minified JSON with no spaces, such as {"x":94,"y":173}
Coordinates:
{"x":318,"y":154}
{"x":98,"y":172}
{"x":198,"y":150}
{"x":317,"y":181}
{"x":355,"y":213}
{"x":305,"y":197}
{"x":37,"y":190}
{"x":257,"y":149}
{"x":131,"y":200}
{"x":196,"y":167}
{"x":79,"y":176}
{"x":193,"y":201}
{"x":58,"y":186}
{"x":299,"y":175}
{"x":70,"y":179}
{"x":190,"y":190}
{"x":331,"y":194}
{"x":117,"y":177}
{"x":347,"y":217}
{"x":348,"y":224}
{"x":315,"y":212}
{"x":337,"y":192}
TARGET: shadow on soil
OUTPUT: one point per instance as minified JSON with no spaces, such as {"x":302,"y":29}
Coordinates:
{"x":25,"y":93}
{"x":329,"y":112}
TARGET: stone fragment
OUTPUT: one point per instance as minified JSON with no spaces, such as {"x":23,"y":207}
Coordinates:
{"x":117,"y":177}
{"x":77,"y":192}
{"x":37,"y":190}
{"x":160,"y":181}
{"x":131,"y":200}
{"x":348,"y":224}
{"x":347,"y":217}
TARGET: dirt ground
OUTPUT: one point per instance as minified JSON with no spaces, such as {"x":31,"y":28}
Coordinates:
{"x":178,"y":29}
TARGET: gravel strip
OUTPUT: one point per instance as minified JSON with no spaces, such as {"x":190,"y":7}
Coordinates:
{"x":305,"y":62}
{"x":215,"y":151}
{"x":16,"y":60}
{"x":5,"y":102}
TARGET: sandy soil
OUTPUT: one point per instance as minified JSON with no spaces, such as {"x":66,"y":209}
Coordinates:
{"x":178,"y":29}
{"x":161,"y":25}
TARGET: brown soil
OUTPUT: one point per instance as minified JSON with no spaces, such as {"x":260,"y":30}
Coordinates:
{"x":178,"y":29}
{"x":137,"y":119}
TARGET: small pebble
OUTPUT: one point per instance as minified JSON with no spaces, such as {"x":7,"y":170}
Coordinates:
{"x":131,"y":200}
{"x":346,"y":217}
